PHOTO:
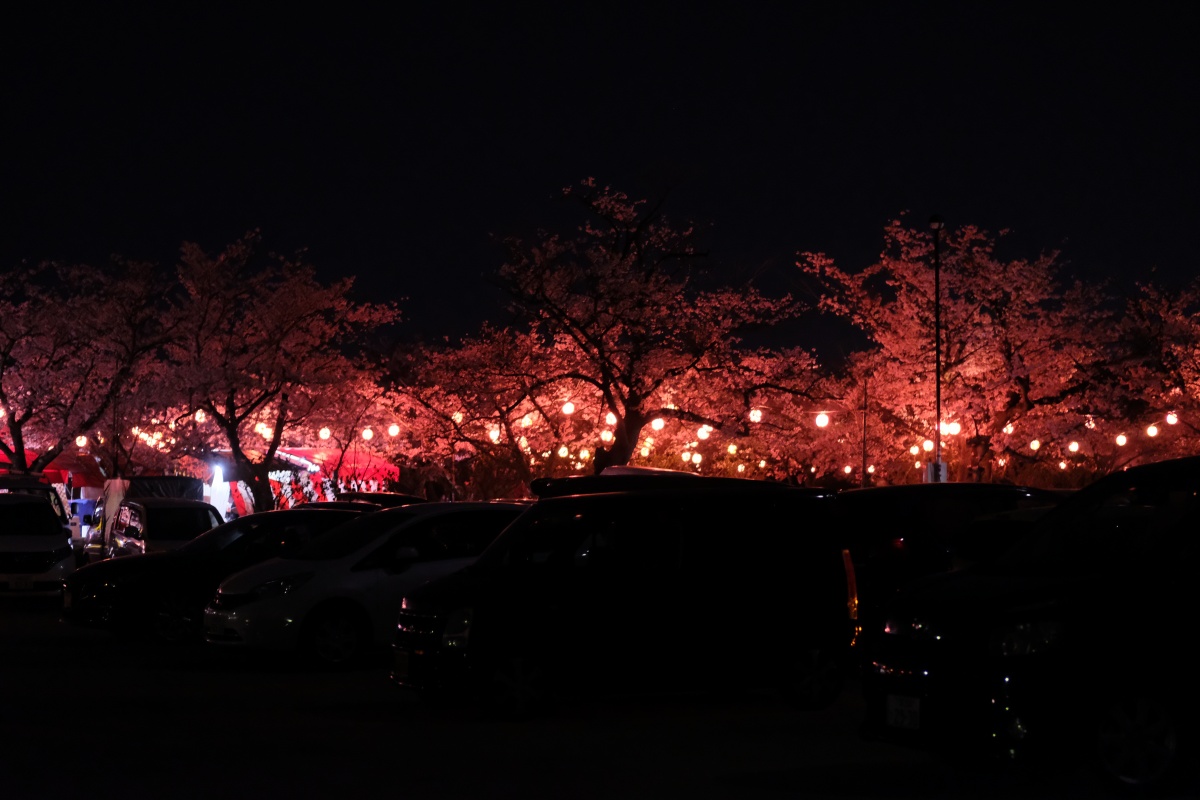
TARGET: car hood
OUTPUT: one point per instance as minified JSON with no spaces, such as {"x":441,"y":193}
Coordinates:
{"x":270,"y":570}
{"x":33,"y":543}
{"x":156,"y":565}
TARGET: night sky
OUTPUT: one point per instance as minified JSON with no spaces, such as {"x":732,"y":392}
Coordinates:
{"x":392,"y":144}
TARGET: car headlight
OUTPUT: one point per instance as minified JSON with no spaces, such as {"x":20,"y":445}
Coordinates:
{"x":458,"y":628}
{"x":280,"y":586}
{"x":1024,"y":638}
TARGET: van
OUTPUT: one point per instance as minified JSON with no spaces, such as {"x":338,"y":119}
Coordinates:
{"x":158,"y":524}
{"x":660,"y":584}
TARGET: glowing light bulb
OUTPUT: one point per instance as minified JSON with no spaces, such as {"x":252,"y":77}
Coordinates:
{"x":702,"y":434}
{"x":658,"y":423}
{"x":755,"y":415}
{"x":1073,"y":447}
{"x":847,"y":469}
{"x":927,"y":445}
{"x":324,"y":433}
{"x":368,"y":434}
{"x":822,"y":420}
{"x":563,"y":452}
{"x":732,"y":449}
{"x":1121,"y":440}
{"x":915,"y":449}
{"x":1062,"y":465}
{"x":686,"y":456}
{"x":741,"y":467}
{"x":494,"y":434}
{"x":393,"y":429}
{"x":1152,"y":431}
{"x":568,"y":408}
{"x":606,"y":436}
{"x":611,"y":419}
{"x":80,"y":441}
{"x":1172,"y":418}
{"x":645,"y":451}
{"x":1009,"y":428}
{"x":584,"y":454}
{"x":1035,"y":444}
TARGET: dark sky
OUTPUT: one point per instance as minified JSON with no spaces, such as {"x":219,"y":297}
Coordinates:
{"x":392,"y":143}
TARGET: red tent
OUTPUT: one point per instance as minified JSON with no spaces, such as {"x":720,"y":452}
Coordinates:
{"x":79,"y":468}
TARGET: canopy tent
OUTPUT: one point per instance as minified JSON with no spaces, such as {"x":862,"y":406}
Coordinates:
{"x":351,"y":466}
{"x":77,"y":469}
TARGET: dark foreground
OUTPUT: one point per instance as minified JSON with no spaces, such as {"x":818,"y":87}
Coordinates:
{"x":84,"y":715}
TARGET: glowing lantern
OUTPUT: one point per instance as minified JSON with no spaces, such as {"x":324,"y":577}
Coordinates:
{"x":686,"y":456}
{"x":847,"y":469}
{"x":606,"y":436}
{"x":324,"y":433}
{"x":755,"y":415}
{"x":393,"y":429}
{"x":458,"y":417}
{"x":494,"y":434}
{"x":1152,"y":431}
{"x":1121,"y":440}
{"x":954,"y":429}
{"x":368,"y":434}
{"x":1172,"y":418}
{"x":1073,"y":447}
{"x":80,"y":441}
{"x":762,"y":464}
{"x":702,"y":433}
{"x":915,"y":449}
{"x":696,"y":458}
{"x":658,"y":423}
{"x":526,"y":421}
{"x":1002,"y":461}
{"x":822,"y":419}
{"x":563,"y":452}
{"x":741,"y":467}
{"x":584,"y":454}
{"x":1062,"y":465}
{"x":645,"y":451}
{"x":568,"y":408}
{"x":917,"y":465}
{"x":1008,"y":428}
{"x":927,"y":445}
{"x":200,"y":416}
{"x":871,"y":469}
{"x":732,"y":449}
{"x":611,"y":419}
{"x":1035,"y":444}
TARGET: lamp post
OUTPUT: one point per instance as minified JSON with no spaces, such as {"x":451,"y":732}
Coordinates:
{"x":935,"y":222}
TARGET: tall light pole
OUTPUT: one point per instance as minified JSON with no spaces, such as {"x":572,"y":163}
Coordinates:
{"x":935,"y":222}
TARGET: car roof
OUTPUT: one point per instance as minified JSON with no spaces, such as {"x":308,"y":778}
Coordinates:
{"x":449,"y":506}
{"x":23,"y":499}
{"x":651,"y":482}
{"x":165,"y":502}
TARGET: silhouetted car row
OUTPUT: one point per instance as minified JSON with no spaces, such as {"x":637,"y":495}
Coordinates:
{"x":986,"y":622}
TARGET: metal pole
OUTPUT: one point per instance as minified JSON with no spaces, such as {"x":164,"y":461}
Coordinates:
{"x":864,"y":436}
{"x":935,"y":222}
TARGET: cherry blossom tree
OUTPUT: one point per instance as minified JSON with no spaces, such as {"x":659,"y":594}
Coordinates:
{"x":265,"y":349}
{"x":1022,"y":351}
{"x":637,"y":334}
{"x":74,"y":340}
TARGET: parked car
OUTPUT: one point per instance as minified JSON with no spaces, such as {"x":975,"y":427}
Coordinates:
{"x":163,"y":595}
{"x":897,"y":534}
{"x":338,"y":597}
{"x":158,"y":524}
{"x":35,"y":547}
{"x":641,"y":583}
{"x":1075,"y":644}
{"x":33,"y":485}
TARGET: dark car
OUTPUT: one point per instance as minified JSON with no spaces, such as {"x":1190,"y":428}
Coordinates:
{"x":897,"y":534}
{"x":163,"y":594}
{"x":1074,"y":644}
{"x":158,"y":524}
{"x":35,"y":547}
{"x":659,"y":585}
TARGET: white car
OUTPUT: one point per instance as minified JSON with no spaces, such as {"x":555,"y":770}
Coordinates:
{"x":35,"y":547}
{"x":339,"y":596}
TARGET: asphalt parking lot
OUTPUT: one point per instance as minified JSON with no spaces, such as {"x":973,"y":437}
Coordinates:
{"x":86,"y":715}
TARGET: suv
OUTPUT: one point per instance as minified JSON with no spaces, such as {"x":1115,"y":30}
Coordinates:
{"x":1074,"y":643}
{"x":660,"y":583}
{"x":35,"y":547}
{"x":152,"y":524}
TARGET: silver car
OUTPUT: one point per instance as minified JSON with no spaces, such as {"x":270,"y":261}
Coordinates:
{"x":338,"y":598}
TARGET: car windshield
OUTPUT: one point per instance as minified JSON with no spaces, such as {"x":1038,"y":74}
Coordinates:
{"x":241,"y":532}
{"x":29,"y":519}
{"x":354,"y":535}
{"x":1121,"y":519}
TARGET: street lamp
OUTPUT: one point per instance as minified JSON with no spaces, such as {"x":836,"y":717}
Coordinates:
{"x":935,"y":222}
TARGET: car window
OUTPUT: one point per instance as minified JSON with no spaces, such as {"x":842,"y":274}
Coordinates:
{"x":176,"y":523}
{"x":29,"y":519}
